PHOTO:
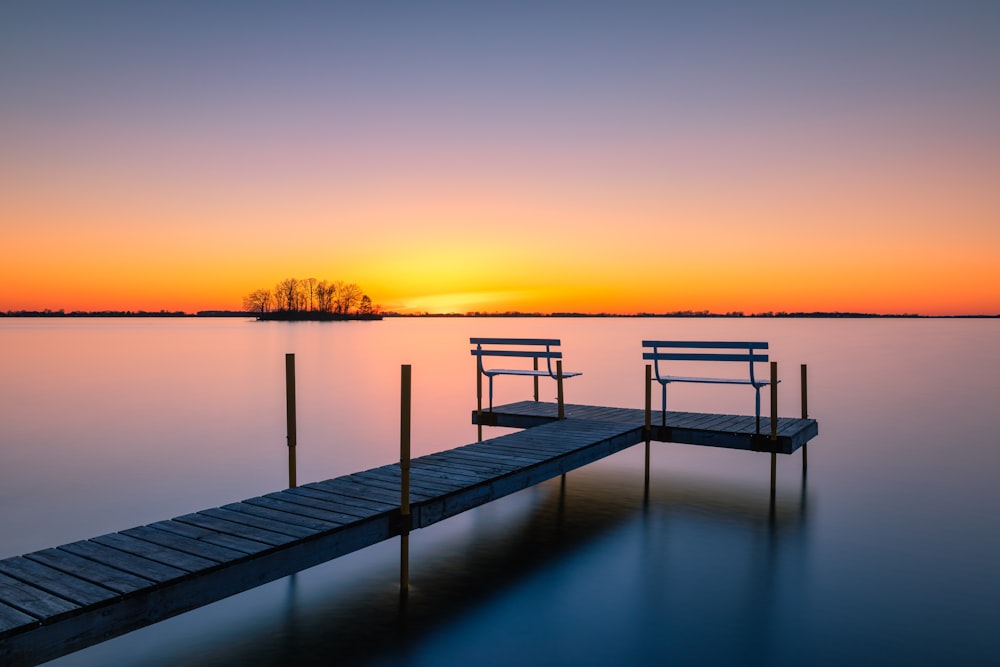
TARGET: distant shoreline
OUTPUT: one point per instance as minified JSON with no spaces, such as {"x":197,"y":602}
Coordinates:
{"x":313,"y":316}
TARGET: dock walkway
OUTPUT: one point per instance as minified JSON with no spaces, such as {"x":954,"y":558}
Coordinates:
{"x":63,"y":599}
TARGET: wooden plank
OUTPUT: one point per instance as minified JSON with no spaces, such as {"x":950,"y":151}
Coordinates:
{"x":392,"y":476}
{"x":461,"y":476}
{"x":117,"y":580}
{"x":260,"y":522}
{"x":28,"y":599}
{"x":154,"y":552}
{"x":309,"y":500}
{"x":208,"y":551}
{"x":283,"y":520}
{"x":208,"y":536}
{"x":366,"y":505}
{"x":350,"y":488}
{"x":58,"y":583}
{"x":137,"y":565}
{"x":370,"y":479}
{"x":11,"y":618}
{"x":234,"y":528}
{"x":329,"y":518}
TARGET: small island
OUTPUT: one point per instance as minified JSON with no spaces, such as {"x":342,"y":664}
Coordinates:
{"x":294,"y":300}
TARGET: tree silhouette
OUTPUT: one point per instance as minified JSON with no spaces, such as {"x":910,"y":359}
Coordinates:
{"x":311,"y":295}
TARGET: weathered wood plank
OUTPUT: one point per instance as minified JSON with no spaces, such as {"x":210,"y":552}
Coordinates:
{"x":208,"y":536}
{"x":327,"y":517}
{"x":137,"y":565}
{"x":310,"y":500}
{"x":58,"y":583}
{"x":234,"y":528}
{"x":155,"y":552}
{"x":11,"y":618}
{"x":284,"y":520}
{"x":28,"y":599}
{"x":347,"y":487}
{"x":370,"y":506}
{"x":255,"y":521}
{"x":179,"y":543}
{"x":117,"y":580}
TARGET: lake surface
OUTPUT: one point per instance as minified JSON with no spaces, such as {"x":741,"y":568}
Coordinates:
{"x":887,"y":551}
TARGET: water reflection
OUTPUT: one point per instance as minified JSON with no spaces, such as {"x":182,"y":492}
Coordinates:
{"x":464,"y":576}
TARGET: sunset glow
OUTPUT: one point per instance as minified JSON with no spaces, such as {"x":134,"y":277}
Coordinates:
{"x":612,"y":158}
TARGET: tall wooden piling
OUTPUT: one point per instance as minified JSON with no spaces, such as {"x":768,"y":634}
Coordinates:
{"x":479,"y":402}
{"x":290,"y":415}
{"x":774,"y":400}
{"x":535,"y":378}
{"x":649,"y":418}
{"x":805,"y":414}
{"x":559,"y":392}
{"x":404,"y":467}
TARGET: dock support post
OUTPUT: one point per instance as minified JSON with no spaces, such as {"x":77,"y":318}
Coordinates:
{"x":479,"y":404}
{"x":290,"y":415}
{"x":404,"y":468}
{"x":774,"y":400}
{"x":535,"y":378}
{"x":649,"y":418}
{"x":559,"y":385}
{"x":805,"y":415}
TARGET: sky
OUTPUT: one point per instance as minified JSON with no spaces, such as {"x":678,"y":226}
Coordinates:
{"x":601,"y":157}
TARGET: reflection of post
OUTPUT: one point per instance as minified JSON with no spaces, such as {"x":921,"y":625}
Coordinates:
{"x":404,"y":468}
{"x":290,"y":415}
{"x":805,"y":415}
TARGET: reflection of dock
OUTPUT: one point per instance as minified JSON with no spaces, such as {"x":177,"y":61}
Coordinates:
{"x":62,"y":599}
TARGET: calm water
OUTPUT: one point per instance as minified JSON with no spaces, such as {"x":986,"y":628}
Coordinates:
{"x":887,"y":551}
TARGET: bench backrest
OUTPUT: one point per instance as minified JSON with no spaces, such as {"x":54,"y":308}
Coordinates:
{"x":548,"y":353}
{"x":667,"y":350}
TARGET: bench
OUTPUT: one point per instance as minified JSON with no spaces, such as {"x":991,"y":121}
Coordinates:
{"x":749,"y":353}
{"x":523,"y":348}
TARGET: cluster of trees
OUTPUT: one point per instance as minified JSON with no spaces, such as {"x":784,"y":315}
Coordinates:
{"x":293,"y":295}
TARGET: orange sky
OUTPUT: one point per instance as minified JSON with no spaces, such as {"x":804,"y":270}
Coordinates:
{"x":618,"y":159}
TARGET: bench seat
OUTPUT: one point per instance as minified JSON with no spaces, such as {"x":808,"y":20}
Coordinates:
{"x":520,"y":348}
{"x":674,"y":352}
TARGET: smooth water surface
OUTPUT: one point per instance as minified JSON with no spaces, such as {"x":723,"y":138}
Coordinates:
{"x":886,"y":551}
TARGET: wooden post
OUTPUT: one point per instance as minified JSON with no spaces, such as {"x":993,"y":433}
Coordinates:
{"x":805,"y":415}
{"x":290,"y":415}
{"x":559,"y":394}
{"x":535,"y":364}
{"x":774,"y":400}
{"x":479,"y":403}
{"x":649,"y":417}
{"x":404,"y":468}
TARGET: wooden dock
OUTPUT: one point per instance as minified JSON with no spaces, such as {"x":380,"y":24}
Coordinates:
{"x":63,"y":599}
{"x":691,"y":428}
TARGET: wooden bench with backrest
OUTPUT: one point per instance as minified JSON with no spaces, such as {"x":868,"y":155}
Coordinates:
{"x":662,"y":351}
{"x":519,"y":348}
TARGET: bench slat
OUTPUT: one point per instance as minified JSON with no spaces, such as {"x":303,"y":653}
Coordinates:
{"x":680,"y":378}
{"x":702,"y":356}
{"x":520,"y":371}
{"x":714,"y":344}
{"x":541,"y":354}
{"x":514,"y":341}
